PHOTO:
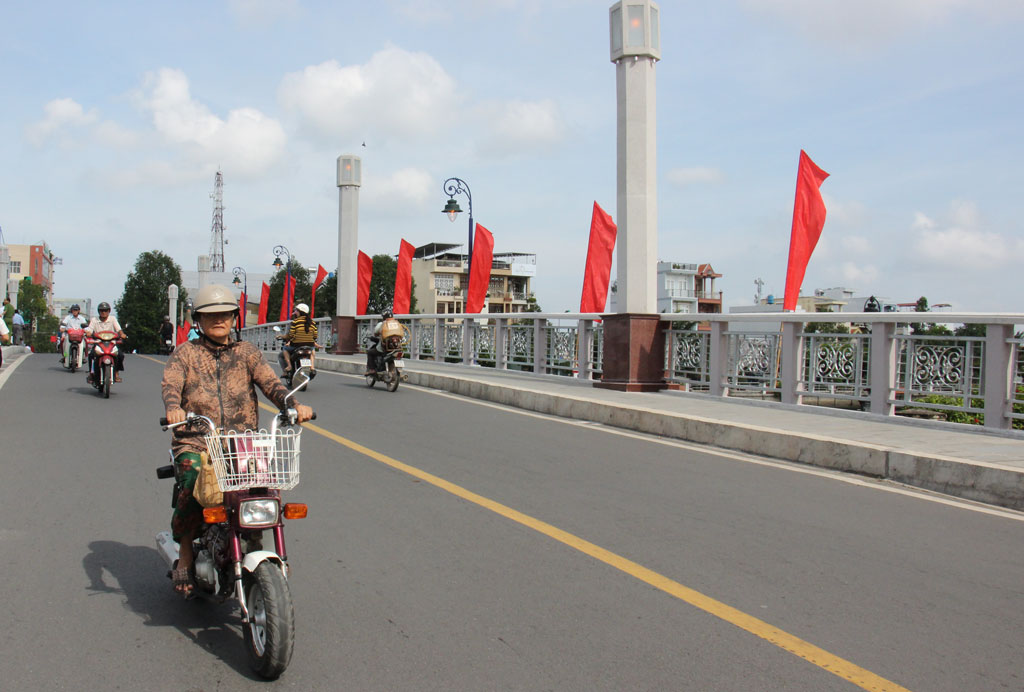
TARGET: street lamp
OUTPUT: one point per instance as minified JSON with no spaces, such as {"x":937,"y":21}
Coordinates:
{"x":457,"y":186}
{"x":245,"y":288}
{"x":278,"y":251}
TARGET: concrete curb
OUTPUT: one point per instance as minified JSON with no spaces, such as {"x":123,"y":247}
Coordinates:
{"x":973,"y":480}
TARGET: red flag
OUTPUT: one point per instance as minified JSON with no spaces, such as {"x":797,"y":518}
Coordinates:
{"x":403,"y":279}
{"x":598,"y":271}
{"x":321,"y":274}
{"x":287,"y":299}
{"x":480,"y":276}
{"x":241,"y":310}
{"x":183,"y":331}
{"x":808,"y":220}
{"x":261,"y":317}
{"x":363,"y":276}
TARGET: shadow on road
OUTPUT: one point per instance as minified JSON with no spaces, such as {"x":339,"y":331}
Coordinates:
{"x":138,"y":574}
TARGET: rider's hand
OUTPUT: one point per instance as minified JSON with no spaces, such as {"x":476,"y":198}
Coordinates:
{"x":175,"y":416}
{"x":305,"y":413}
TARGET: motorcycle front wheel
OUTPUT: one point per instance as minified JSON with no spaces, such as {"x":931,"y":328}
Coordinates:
{"x":108,"y":375}
{"x":73,"y":359}
{"x":270,"y":632}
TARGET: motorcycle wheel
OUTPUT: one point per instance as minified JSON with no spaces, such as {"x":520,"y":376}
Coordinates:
{"x":73,"y":357}
{"x":270,"y":632}
{"x":371,"y":380}
{"x":393,"y":377}
{"x":108,"y":375}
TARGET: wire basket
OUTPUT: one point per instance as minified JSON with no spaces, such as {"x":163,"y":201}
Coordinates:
{"x":255,"y":459}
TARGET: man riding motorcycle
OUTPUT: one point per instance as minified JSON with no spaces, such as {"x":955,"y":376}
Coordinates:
{"x":104,"y":322}
{"x":374,"y":349}
{"x":301,"y":332}
{"x":214,"y":376}
{"x":73,"y":320}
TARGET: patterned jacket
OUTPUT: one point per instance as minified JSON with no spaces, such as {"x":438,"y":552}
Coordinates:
{"x":218,"y":382}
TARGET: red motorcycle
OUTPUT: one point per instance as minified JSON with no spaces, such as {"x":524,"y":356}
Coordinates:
{"x":104,"y":347}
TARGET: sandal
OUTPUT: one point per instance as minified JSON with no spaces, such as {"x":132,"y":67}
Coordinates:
{"x":181,"y":579}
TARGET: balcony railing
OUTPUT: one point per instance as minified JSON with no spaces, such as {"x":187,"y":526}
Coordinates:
{"x":881,"y":370}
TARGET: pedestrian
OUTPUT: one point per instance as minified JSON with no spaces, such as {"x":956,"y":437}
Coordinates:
{"x":5,"y":336}
{"x":8,"y":313}
{"x":18,"y":328}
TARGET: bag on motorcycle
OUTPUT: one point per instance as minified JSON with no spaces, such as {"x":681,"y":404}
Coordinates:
{"x":391,"y":327}
{"x":207,"y":492}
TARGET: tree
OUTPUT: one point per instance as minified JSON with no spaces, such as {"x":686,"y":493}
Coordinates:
{"x":382,"y":286}
{"x":303,"y":287}
{"x":971,"y":330}
{"x":327,"y":297}
{"x":38,"y":320}
{"x":143,"y":304}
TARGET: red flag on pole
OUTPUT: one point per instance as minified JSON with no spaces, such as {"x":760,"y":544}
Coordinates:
{"x":598,"y":271}
{"x":808,"y":220}
{"x":403,"y":279}
{"x":321,"y":274}
{"x":287,"y":299}
{"x":480,"y":276}
{"x":241,"y":310}
{"x":363,"y":276}
{"x":261,"y":317}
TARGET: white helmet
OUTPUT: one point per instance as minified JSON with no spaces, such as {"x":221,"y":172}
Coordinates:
{"x":213,"y":298}
{"x":302,"y":308}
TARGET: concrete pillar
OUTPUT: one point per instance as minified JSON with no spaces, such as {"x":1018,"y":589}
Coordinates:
{"x":792,"y":362}
{"x":883,"y":367}
{"x":718,"y":359}
{"x":998,"y":375}
{"x":349,"y":180}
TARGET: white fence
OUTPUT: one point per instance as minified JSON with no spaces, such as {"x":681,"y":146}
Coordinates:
{"x":881,"y":367}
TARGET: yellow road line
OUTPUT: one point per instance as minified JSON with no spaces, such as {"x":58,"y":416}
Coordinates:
{"x":840,"y":667}
{"x":155,"y":360}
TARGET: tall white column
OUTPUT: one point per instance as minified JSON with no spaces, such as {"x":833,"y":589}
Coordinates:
{"x":349,"y":181}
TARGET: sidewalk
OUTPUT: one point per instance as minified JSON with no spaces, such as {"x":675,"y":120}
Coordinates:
{"x":964,"y":462}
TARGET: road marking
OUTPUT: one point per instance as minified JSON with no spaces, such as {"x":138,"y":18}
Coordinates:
{"x":873,"y":484}
{"x":155,"y":360}
{"x":840,"y":667}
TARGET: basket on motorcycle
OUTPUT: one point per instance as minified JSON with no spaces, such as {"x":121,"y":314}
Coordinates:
{"x":391,"y":327}
{"x":255,"y":459}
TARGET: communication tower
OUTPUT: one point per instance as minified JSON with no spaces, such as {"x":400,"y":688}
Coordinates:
{"x":217,"y":230}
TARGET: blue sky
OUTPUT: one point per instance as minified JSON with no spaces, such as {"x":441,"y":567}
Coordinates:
{"x":116,"y":116}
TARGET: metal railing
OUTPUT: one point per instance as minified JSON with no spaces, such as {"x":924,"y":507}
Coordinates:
{"x":880,"y":368}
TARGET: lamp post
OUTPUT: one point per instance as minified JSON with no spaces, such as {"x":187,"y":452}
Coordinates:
{"x":245,"y":288}
{"x":278,"y":251}
{"x":458,"y":186}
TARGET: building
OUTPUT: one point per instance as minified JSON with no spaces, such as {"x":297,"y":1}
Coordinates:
{"x":684,"y":288}
{"x":62,"y":306}
{"x":35,"y":262}
{"x":439,"y":273}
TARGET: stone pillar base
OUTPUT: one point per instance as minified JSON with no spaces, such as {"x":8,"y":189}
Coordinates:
{"x":634,"y":353}
{"x":348,"y":336}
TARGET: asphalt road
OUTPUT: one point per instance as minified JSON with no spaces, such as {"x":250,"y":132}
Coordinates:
{"x":456,"y":545}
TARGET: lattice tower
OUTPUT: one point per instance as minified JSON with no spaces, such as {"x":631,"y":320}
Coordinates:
{"x":217,"y":229}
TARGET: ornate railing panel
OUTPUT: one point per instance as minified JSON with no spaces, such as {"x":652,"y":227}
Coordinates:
{"x":837,"y":366}
{"x":1017,"y":386}
{"x":754,"y":362}
{"x":688,"y":358}
{"x":941,"y":372}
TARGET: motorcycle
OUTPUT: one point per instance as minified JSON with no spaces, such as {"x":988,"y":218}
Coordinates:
{"x":230,"y":562}
{"x":104,"y":348}
{"x":73,"y":348}
{"x":388,"y":364}
{"x":166,"y":347}
{"x":301,"y":362}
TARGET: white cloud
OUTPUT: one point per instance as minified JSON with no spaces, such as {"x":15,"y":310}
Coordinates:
{"x":858,"y":274}
{"x":62,"y":115}
{"x":699,"y":174}
{"x":404,"y":187}
{"x":515,"y":127}
{"x":396,"y":93}
{"x":958,"y":239}
{"x":248,"y":141}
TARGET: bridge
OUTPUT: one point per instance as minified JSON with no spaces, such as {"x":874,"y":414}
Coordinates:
{"x":489,"y":529}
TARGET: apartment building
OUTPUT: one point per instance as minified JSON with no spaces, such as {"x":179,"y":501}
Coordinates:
{"x":440,"y":273}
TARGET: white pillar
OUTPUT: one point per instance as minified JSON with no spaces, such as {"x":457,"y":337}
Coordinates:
{"x":350,"y":178}
{"x":172,"y":303}
{"x":635,"y":49}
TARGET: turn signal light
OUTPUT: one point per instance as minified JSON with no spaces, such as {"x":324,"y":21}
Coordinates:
{"x":295,"y":510}
{"x":215,"y":515}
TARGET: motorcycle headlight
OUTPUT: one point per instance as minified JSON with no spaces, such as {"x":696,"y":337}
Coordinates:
{"x":258,"y":513}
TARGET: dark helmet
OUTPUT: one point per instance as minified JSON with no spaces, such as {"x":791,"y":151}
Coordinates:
{"x":103,"y":306}
{"x":75,"y":306}
{"x":386,"y":314}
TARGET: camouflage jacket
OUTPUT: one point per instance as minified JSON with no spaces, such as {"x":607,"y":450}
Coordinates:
{"x":218,"y":382}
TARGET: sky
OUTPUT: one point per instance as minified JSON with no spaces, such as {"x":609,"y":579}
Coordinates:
{"x":115,"y":117}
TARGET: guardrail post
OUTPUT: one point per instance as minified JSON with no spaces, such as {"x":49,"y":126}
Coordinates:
{"x":467,"y":341}
{"x":540,"y":348}
{"x":584,"y":349}
{"x":792,"y":362}
{"x":440,"y":346}
{"x":882,"y":377}
{"x":998,"y":375}
{"x":500,"y":333}
{"x":718,"y":360}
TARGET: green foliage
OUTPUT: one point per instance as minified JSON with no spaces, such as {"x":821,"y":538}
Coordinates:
{"x":382,"y":286}
{"x":971,"y":330}
{"x":826,"y":328}
{"x":532,"y":305}
{"x":31,"y":300}
{"x":972,"y":418}
{"x":45,"y":327}
{"x":303,"y":287}
{"x":143,"y":304}
{"x":327,"y":297}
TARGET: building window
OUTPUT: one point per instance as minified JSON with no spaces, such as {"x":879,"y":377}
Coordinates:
{"x":15,"y":266}
{"x":444,"y":283}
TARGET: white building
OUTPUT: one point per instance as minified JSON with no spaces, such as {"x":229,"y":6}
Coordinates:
{"x":439,"y":273}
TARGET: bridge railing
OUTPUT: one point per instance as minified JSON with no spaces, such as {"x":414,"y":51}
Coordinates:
{"x":880,"y":367}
